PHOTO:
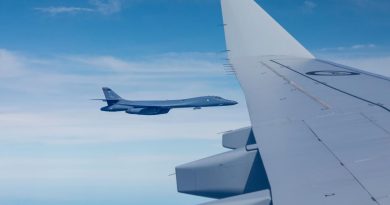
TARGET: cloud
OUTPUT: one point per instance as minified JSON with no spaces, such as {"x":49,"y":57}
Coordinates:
{"x":378,"y":65}
{"x":350,"y":48}
{"x":64,"y":10}
{"x":92,"y":69}
{"x":10,"y":64}
{"x":378,"y":5}
{"x":59,"y":111}
{"x":46,"y":107}
{"x":55,"y":180}
{"x":169,"y":65}
{"x":105,"y":62}
{"x":55,"y":168}
{"x":58,"y":148}
{"x":105,"y":7}
{"x":369,"y":57}
{"x":362,"y":46}
{"x":309,"y":6}
{"x":58,"y":89}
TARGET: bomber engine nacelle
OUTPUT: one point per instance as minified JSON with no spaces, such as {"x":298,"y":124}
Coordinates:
{"x":147,"y":111}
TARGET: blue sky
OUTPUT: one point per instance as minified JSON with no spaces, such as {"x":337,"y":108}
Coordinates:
{"x":56,"y":147}
{"x":138,"y":28}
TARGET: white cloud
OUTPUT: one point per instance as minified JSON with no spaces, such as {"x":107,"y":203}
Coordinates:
{"x":92,"y":126}
{"x":58,"y":89}
{"x":378,"y":5}
{"x":309,"y":5}
{"x":362,"y":46}
{"x":58,"y":179}
{"x":107,"y":62}
{"x":47,"y":107}
{"x":50,"y":108}
{"x":100,"y":70}
{"x":10,"y":64}
{"x":58,"y":92}
{"x":377,"y":65}
{"x":163,"y":65}
{"x":105,"y":7}
{"x":64,"y":10}
{"x":350,"y":48}
{"x":55,"y":168}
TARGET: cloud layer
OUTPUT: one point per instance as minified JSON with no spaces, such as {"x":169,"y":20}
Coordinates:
{"x":58,"y":89}
{"x":355,"y":47}
{"x":105,"y":7}
{"x":56,"y":147}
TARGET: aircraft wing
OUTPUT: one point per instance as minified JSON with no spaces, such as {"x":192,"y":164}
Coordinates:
{"x":321,"y":130}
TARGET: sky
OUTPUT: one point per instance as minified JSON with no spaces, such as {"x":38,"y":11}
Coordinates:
{"x":56,"y":147}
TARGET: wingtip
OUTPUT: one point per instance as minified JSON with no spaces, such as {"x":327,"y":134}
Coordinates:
{"x":251,"y":31}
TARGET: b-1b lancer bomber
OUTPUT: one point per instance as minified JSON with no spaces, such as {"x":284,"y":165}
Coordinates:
{"x":117,"y":104}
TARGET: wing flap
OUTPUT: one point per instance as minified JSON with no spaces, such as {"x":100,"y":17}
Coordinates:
{"x":362,"y":146}
{"x":302,"y":170}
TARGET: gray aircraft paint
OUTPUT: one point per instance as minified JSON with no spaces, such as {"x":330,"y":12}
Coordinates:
{"x":321,"y":130}
{"x":115,"y":103}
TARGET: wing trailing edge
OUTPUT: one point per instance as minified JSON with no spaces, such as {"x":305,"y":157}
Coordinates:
{"x":250,"y":31}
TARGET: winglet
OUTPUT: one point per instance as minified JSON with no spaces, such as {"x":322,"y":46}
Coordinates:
{"x":250,"y":31}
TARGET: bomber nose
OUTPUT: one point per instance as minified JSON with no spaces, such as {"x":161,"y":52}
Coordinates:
{"x":104,"y":109}
{"x":232,"y":102}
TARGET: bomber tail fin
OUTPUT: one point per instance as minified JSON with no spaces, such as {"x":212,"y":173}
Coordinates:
{"x":111,"y":96}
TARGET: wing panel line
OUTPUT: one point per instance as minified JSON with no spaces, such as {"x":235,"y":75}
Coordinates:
{"x":354,"y":69}
{"x":341,"y":162}
{"x":332,"y":87}
{"x":298,"y":87}
{"x":375,"y":123}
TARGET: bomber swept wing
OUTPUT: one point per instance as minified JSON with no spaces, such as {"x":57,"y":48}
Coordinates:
{"x":320,"y":131}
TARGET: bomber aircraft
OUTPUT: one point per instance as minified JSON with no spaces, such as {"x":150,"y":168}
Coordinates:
{"x":115,"y":103}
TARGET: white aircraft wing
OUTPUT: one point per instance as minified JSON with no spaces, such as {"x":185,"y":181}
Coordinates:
{"x":321,"y":130}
